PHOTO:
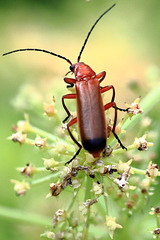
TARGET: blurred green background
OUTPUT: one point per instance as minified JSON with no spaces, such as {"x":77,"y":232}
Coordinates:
{"x":125,"y":43}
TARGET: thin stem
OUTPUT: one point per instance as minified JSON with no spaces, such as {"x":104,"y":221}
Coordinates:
{"x":45,"y":134}
{"x":138,"y":171}
{"x":45,"y":179}
{"x":70,"y":205}
{"x":23,"y":216}
{"x":87,"y":223}
{"x":37,"y":169}
{"x":158,"y":222}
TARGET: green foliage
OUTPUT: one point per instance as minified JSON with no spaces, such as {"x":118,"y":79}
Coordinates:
{"x":126,"y":45}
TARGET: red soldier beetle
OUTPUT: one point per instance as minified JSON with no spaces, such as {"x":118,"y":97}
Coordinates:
{"x":90,"y":109}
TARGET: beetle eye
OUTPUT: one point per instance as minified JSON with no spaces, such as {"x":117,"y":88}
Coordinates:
{"x":71,"y":68}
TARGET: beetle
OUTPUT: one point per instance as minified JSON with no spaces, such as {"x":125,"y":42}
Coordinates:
{"x":90,"y":109}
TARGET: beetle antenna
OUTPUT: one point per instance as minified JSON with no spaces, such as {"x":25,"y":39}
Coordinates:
{"x":92,"y":30}
{"x":39,"y":50}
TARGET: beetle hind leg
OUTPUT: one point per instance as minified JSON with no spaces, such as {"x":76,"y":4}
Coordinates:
{"x":74,"y":120}
{"x":121,"y":144}
{"x":74,"y":156}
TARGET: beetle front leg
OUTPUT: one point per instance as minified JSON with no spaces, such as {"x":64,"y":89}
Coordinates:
{"x":67,"y":96}
{"x":70,"y":81}
{"x":101,"y":76}
{"x":73,"y":121}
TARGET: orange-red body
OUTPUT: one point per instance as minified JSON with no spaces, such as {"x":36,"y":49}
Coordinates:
{"x":90,"y":110}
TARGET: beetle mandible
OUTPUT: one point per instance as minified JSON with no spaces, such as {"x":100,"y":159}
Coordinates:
{"x":90,"y":109}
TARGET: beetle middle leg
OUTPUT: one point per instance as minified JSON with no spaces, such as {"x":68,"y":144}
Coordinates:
{"x":107,"y":88}
{"x":73,"y":121}
{"x":107,"y":106}
{"x":67,"y":96}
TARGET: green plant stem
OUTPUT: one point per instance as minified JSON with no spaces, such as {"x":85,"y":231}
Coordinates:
{"x":45,"y":179}
{"x":158,"y":222}
{"x":87,"y":223}
{"x":23,"y":216}
{"x":45,"y":134}
{"x":138,"y":171}
{"x":37,"y":170}
{"x":89,"y":184}
{"x":70,"y":205}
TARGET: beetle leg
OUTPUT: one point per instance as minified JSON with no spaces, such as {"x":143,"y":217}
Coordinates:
{"x":74,"y":120}
{"x":122,"y":109}
{"x":107,"y":106}
{"x":101,"y":76}
{"x":71,"y":81}
{"x":107,"y":88}
{"x":67,"y":96}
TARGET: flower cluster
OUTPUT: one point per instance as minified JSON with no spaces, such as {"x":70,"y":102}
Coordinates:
{"x":91,"y":182}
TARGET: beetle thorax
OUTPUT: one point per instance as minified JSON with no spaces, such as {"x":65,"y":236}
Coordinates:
{"x":83,"y":71}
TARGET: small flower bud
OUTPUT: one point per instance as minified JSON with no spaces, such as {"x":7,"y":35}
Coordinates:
{"x":59,"y":216}
{"x":156,"y":231}
{"x":97,"y":189}
{"x":85,"y":205}
{"x":153,"y":170}
{"x":145,"y":184}
{"x":49,"y":235}
{"x":130,"y":204}
{"x":49,"y":109}
{"x":155,"y":211}
{"x":20,"y":187}
{"x":60,"y":148}
{"x":123,"y":167}
{"x":24,"y":125}
{"x":19,"y":137}
{"x":134,"y":108}
{"x":28,"y":170}
{"x":55,"y":189}
{"x":112,"y":225}
{"x":40,"y":142}
{"x":50,"y":164}
{"x":107,"y":151}
{"x":141,"y":143}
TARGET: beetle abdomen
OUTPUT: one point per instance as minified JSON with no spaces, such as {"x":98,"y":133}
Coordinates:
{"x":90,"y":115}
{"x":94,"y":146}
